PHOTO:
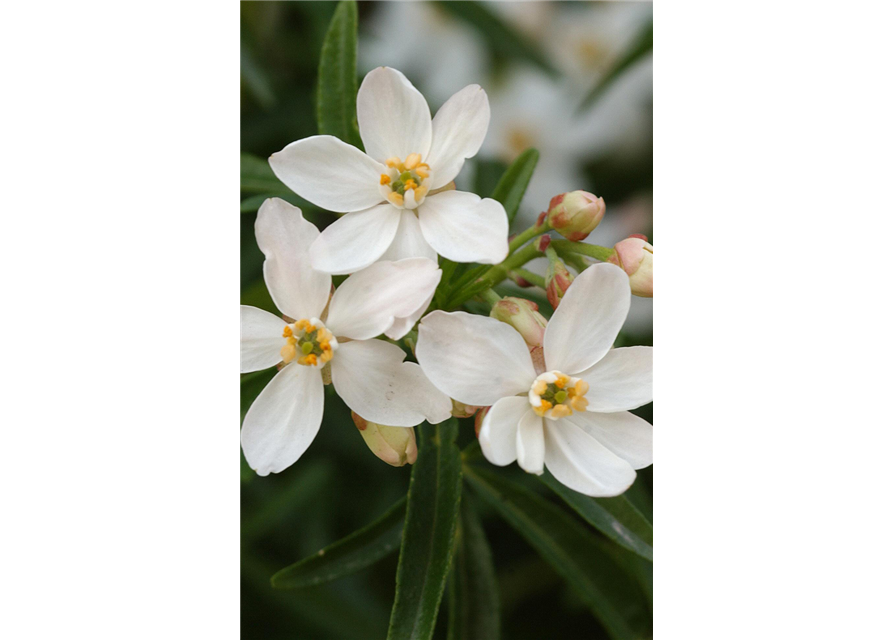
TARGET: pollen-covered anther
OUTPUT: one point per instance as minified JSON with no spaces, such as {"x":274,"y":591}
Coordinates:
{"x":556,"y":395}
{"x":308,"y":342}
{"x":407,"y":182}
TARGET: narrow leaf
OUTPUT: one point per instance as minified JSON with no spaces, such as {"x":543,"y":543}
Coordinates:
{"x":574,"y":552}
{"x":474,"y":597}
{"x":640,"y":47}
{"x":336,"y":105}
{"x":511,"y":187}
{"x":432,"y":514}
{"x":258,"y":177}
{"x":502,"y":39}
{"x":357,"y":551}
{"x":616,"y":517}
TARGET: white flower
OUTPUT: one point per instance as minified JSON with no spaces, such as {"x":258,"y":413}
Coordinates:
{"x":369,"y":375}
{"x":573,"y":417}
{"x":390,"y":192}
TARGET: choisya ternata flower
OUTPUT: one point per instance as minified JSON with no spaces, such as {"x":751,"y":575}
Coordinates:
{"x":572,"y":416}
{"x":390,"y":193}
{"x":339,"y":334}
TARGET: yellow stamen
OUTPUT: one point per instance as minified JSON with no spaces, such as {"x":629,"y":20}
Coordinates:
{"x":410,"y":184}
{"x":303,"y":324}
{"x":539,"y":388}
{"x":541,"y":410}
{"x":385,"y":179}
{"x":422,"y":173}
{"x":326,"y":355}
{"x":288,"y":353}
{"x":581,"y":387}
{"x":561,"y":411}
{"x":292,"y":340}
{"x":412,"y":161}
{"x":308,"y":359}
{"x":324,"y":345}
{"x":561,"y":381}
{"x":287,"y":332}
{"x":579,"y":403}
{"x":420,"y":193}
{"x":392,"y":162}
{"x":395,"y":197}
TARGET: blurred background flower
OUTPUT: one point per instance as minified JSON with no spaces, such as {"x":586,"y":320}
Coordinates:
{"x":550,"y":71}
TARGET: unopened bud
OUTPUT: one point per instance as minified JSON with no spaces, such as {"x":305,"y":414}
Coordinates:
{"x":635,"y":255}
{"x":575,"y":214}
{"x":518,"y":280}
{"x":558,"y":279}
{"x":394,"y":445}
{"x":462,"y":410}
{"x":523,"y":316}
{"x":479,"y":420}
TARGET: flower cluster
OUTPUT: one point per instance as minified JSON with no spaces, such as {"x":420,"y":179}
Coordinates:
{"x":550,"y":394}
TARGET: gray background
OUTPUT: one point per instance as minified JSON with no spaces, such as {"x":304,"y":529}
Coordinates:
{"x":773,"y":200}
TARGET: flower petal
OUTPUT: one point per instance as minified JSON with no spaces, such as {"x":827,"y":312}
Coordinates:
{"x":531,"y":443}
{"x":500,"y":427}
{"x":355,"y":240}
{"x":474,"y":359}
{"x":366,"y":304}
{"x":620,"y":381}
{"x":393,"y":116}
{"x":261,"y":339}
{"x":372,"y":379}
{"x":409,"y":241}
{"x":283,"y":420}
{"x":329,"y":173}
{"x":403,"y":325}
{"x":457,"y":132}
{"x":583,"y":464}
{"x":625,"y":434}
{"x":462,"y":227}
{"x":285,"y":237}
{"x":585,"y":325}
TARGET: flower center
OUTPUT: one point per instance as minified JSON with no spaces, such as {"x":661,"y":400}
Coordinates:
{"x":406,"y":182}
{"x":555,"y":395}
{"x":309,"y":341}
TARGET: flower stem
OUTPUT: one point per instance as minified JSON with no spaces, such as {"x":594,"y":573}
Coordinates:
{"x":490,"y":296}
{"x":527,"y":234}
{"x":591,"y":250}
{"x":532,"y":278}
{"x":495,"y":274}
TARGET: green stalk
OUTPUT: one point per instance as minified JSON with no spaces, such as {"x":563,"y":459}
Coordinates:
{"x":527,"y":234}
{"x":592,"y":250}
{"x":532,"y":278}
{"x":495,"y":274}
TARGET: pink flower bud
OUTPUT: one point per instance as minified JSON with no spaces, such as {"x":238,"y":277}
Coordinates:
{"x":636,"y":256}
{"x":462,"y":410}
{"x":523,"y":316}
{"x":479,"y":420}
{"x":558,"y":279}
{"x":394,"y":445}
{"x":575,"y":214}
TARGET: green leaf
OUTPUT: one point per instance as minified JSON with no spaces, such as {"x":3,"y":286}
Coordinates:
{"x":432,"y":514}
{"x":616,"y":517}
{"x":502,"y":39}
{"x":336,"y":105}
{"x":640,"y":47}
{"x":613,"y":596}
{"x":357,"y":551}
{"x":474,"y":596}
{"x":258,"y":177}
{"x":514,"y":181}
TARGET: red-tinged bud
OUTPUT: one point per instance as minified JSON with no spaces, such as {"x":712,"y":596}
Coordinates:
{"x":541,"y":218}
{"x":636,"y":256}
{"x":558,"y":279}
{"x":394,"y":445}
{"x":575,"y":214}
{"x":543,"y":242}
{"x":479,"y":420}
{"x":523,"y":316}
{"x":462,"y":410}
{"x":518,"y":280}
